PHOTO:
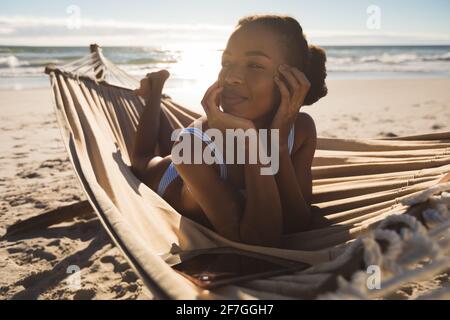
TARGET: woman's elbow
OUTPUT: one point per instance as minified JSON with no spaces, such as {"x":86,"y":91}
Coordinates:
{"x":307,"y":219}
{"x":137,"y":166}
{"x":303,"y":222}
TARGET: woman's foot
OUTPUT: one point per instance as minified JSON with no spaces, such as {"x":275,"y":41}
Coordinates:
{"x":158,"y":77}
{"x":152,"y":84}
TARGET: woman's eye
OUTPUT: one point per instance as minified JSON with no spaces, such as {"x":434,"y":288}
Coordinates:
{"x":251,"y":65}
{"x":254,"y":65}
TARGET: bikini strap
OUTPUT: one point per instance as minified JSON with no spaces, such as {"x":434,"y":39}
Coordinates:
{"x":171,"y":173}
{"x":210,"y":145}
{"x":291,"y":138}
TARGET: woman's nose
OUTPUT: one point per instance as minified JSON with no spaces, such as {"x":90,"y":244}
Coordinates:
{"x":233,"y":77}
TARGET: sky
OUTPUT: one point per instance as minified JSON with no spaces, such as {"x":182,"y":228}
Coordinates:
{"x":175,"y":22}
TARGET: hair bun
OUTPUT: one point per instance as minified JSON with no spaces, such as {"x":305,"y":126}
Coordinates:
{"x":316,"y":73}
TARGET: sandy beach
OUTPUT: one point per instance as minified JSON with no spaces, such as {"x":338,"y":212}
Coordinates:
{"x":36,"y":176}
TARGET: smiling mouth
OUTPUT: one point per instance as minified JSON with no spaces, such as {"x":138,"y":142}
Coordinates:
{"x":232,"y":100}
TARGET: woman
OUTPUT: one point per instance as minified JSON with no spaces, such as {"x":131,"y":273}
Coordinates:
{"x":268,"y":72}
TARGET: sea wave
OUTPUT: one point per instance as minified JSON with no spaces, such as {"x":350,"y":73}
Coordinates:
{"x":30,"y":61}
{"x":439,"y":57}
{"x":388,"y":58}
{"x":406,"y":68}
{"x":12,"y":62}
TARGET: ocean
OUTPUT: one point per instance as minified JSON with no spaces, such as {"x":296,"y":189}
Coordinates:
{"x":195,"y":68}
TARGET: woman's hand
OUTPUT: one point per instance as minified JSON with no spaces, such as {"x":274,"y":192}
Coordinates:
{"x":152,"y":84}
{"x":292,"y":97}
{"x":219,"y":119}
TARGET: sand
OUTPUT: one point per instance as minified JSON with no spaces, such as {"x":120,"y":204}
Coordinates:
{"x":36,"y":176}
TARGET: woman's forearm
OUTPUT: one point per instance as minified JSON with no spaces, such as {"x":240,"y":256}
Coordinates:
{"x":262,"y":221}
{"x":296,"y":212}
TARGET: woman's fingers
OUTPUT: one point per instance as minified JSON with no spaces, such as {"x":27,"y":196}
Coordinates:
{"x":204,"y":100}
{"x":214,"y":85}
{"x":213,"y":98}
{"x":300,"y":85}
{"x":300,"y":76}
{"x":207,"y":106}
{"x":218,"y":99}
{"x":293,"y":84}
{"x":305,"y":85}
{"x":285,"y":95}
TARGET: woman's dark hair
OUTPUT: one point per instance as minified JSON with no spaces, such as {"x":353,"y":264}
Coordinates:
{"x":308,"y":58}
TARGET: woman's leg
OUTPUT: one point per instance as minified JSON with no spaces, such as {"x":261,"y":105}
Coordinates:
{"x":165,"y":132}
{"x":147,"y":133}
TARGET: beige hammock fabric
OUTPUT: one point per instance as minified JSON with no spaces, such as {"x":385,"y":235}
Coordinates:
{"x":357,"y":184}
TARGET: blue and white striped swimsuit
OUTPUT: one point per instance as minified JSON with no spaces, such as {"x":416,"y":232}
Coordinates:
{"x":171,"y":173}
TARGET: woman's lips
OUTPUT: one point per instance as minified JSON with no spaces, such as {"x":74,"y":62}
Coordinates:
{"x":232,"y":100}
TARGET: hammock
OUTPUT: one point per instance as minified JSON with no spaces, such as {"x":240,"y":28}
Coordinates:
{"x":362,"y":190}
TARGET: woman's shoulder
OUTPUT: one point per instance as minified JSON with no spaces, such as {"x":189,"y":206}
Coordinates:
{"x":305,"y":130}
{"x":197,"y":130}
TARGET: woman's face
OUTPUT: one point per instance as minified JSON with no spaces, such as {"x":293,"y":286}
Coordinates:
{"x":249,"y":64}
